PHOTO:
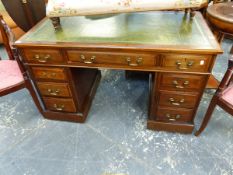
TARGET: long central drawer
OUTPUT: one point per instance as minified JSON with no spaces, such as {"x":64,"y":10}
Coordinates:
{"x":111,"y":58}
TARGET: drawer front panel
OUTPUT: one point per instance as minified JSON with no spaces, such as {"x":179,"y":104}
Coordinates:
{"x":196,"y":63}
{"x":49,"y":73}
{"x":43,"y":56}
{"x":59,"y":104}
{"x":54,"y":89}
{"x":173,"y":99}
{"x":182,"y":82}
{"x":174,"y":115}
{"x":120,"y":59}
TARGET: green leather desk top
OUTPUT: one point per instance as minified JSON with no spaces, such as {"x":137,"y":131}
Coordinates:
{"x":152,"y":29}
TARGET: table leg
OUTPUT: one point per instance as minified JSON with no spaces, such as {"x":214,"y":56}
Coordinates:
{"x":56,"y":22}
{"x":191,"y":11}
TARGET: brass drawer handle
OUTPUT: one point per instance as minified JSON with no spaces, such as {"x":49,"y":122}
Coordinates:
{"x":175,"y":82}
{"x":53,"y":92}
{"x":59,"y":107}
{"x":45,"y":74}
{"x":179,"y":66}
{"x":179,"y":87}
{"x":173,"y":102}
{"x":186,"y":82}
{"x":42,"y":59}
{"x":177,"y":116}
{"x":92,"y":59}
{"x":188,"y":65}
{"x":138,"y":61}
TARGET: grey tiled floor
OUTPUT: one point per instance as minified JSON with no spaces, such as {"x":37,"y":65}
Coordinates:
{"x":114,"y":138}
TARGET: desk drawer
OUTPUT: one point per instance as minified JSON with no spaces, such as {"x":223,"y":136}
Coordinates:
{"x":196,"y":63}
{"x":181,"y":82}
{"x":46,"y":73}
{"x":54,"y":89}
{"x":174,"y":99}
{"x":121,"y":59}
{"x":174,"y":115}
{"x":59,"y":104}
{"x":43,"y":56}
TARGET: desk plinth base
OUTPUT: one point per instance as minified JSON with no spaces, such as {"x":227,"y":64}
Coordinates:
{"x":170,"y":127}
{"x":76,"y":117}
{"x":69,"y":117}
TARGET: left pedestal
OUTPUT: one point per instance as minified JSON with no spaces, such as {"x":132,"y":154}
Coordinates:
{"x":66,"y":93}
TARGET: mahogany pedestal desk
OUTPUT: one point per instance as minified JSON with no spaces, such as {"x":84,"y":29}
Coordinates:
{"x":178,"y":51}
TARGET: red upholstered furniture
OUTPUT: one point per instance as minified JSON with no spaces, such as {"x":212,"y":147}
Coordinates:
{"x":13,"y":76}
{"x":223,"y":96}
{"x":10,"y":76}
{"x":228,"y":95}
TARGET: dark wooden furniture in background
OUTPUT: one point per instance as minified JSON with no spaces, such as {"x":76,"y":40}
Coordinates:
{"x":25,"y":13}
{"x":220,"y":18}
{"x":179,"y":53}
{"x":213,"y":83}
{"x":13,"y":74}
